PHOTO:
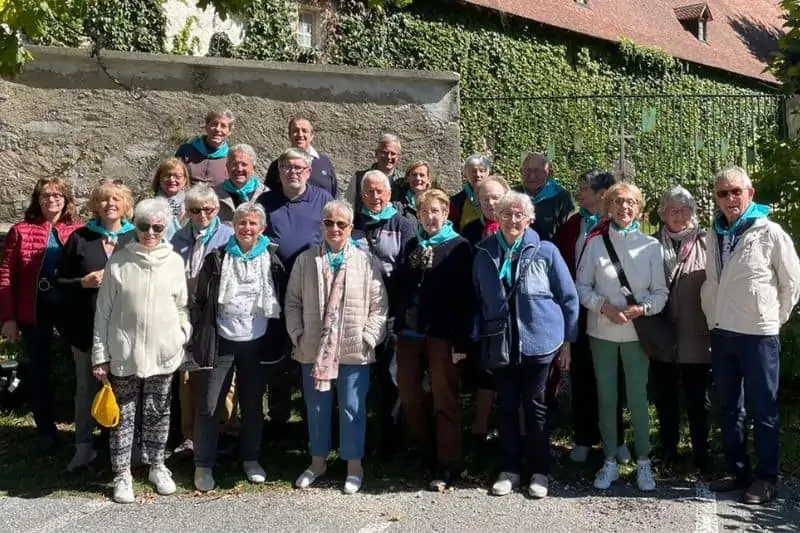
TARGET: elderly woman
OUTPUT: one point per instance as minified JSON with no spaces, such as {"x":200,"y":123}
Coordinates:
{"x":28,"y":304}
{"x":242,"y":185}
{"x":433,"y":322}
{"x":523,"y":283}
{"x":194,"y":242}
{"x":610,"y":321}
{"x":235,"y":300}
{"x":205,"y":156}
{"x":336,"y":308}
{"x":80,"y":274}
{"x":140,"y":328}
{"x":684,"y":249}
{"x":170,"y":182}
{"x":464,"y":206}
{"x":553,"y":203}
{"x":416,"y":181}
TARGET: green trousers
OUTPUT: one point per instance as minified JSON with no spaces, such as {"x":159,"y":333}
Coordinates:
{"x":635,"y":365}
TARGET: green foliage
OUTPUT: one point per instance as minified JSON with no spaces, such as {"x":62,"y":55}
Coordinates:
{"x":127,"y":25}
{"x":220,"y":45}
{"x":184,"y":43}
{"x":786,"y":62}
{"x":270,"y":31}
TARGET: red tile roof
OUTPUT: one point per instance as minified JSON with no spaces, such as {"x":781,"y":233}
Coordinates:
{"x":692,"y":12}
{"x":740,"y":38}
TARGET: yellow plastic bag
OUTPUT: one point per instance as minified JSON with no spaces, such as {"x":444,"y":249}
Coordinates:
{"x":104,"y":408}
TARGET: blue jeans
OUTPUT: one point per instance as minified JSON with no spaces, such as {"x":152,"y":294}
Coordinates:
{"x":747,"y":368}
{"x":351,"y":390}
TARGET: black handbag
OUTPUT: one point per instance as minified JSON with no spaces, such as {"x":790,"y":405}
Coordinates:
{"x":657,"y":333}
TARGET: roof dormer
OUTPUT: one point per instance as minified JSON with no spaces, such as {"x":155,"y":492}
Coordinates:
{"x":695,"y":18}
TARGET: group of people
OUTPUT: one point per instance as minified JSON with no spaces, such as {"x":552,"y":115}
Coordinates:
{"x":223,"y":285}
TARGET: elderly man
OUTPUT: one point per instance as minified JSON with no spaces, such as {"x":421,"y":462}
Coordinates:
{"x":752,"y":284}
{"x":387,"y":156}
{"x":242,"y":185}
{"x":383,"y":231}
{"x":552,"y":202}
{"x":322,"y":173}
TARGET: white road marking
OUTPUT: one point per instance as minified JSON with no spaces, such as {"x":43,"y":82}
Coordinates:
{"x":706,"y":520}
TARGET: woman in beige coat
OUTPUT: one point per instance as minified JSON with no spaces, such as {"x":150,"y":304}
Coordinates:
{"x":336,"y":308}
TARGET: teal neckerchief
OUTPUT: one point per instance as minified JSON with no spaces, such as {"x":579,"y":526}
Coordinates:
{"x":508,"y":257}
{"x":200,"y":145}
{"x":210,"y":230}
{"x":445,"y":234}
{"x":589,"y":220}
{"x":551,"y":189}
{"x":336,"y":260}
{"x":388,"y":212}
{"x":471,"y":196}
{"x":630,"y":229}
{"x":753,"y":211}
{"x":111,"y":236}
{"x":411,"y":198}
{"x":233,"y":248}
{"x":246,"y":191}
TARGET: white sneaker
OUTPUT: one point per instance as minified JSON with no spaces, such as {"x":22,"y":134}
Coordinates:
{"x":307,"y":478}
{"x":254,"y":472}
{"x":352,"y":484}
{"x":123,"y":488}
{"x":579,"y":454}
{"x":538,"y":487}
{"x":607,"y":475}
{"x":644,"y":476}
{"x":161,"y":477}
{"x":506,"y":484}
{"x":623,"y":455}
{"x":203,"y":479}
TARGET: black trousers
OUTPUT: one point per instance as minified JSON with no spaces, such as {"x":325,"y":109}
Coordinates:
{"x":696,"y":381}
{"x":386,"y":394}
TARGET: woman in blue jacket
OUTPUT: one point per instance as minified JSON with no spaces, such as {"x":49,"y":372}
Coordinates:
{"x":523,"y":286}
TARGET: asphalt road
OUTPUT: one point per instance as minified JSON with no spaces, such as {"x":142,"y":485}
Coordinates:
{"x":672,"y":509}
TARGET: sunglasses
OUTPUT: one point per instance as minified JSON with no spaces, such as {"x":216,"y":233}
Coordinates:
{"x":724,"y":193}
{"x":144,"y":227}
{"x":341,"y":224}
{"x":198,"y":210}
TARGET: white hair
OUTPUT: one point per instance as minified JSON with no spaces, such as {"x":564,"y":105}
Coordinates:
{"x":734,"y":173}
{"x":295,"y":153}
{"x":517,"y":199}
{"x":375,"y":175}
{"x":341,"y":206}
{"x":477,"y":160}
{"x":226,"y":114}
{"x":676,"y":195}
{"x":153,"y":210}
{"x":245,"y":149}
{"x":389,"y":138}
{"x":201,"y":194}
{"x":249,"y":208}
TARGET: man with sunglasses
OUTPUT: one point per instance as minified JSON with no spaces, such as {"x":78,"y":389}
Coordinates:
{"x":752,"y":285}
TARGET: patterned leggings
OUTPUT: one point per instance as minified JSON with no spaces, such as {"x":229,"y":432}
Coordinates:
{"x":156,"y":395}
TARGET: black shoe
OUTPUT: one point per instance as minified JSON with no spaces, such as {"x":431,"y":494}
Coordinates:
{"x":444,"y":479}
{"x":760,"y":492}
{"x":729,"y":483}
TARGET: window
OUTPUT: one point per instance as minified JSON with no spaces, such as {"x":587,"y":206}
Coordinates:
{"x":306,"y":28}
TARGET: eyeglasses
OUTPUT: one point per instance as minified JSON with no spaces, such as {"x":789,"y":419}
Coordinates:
{"x":198,"y":210}
{"x":51,"y":196}
{"x":294,"y":170}
{"x":341,"y":224}
{"x":514,"y":217}
{"x":685,"y":211}
{"x":735,"y":192}
{"x":144,"y":227}
{"x":626,"y":202}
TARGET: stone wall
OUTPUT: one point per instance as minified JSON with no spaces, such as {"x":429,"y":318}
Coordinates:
{"x":65,"y":116}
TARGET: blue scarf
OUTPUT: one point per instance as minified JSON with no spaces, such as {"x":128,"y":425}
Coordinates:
{"x":471,"y":195}
{"x":210,"y":230}
{"x":246,"y":191}
{"x":411,"y":198}
{"x":200,"y":145}
{"x":508,"y":257}
{"x":388,"y":212}
{"x":335,"y":260}
{"x":233,"y":248}
{"x":752,"y":212}
{"x":111,"y":236}
{"x":550,"y":190}
{"x":589,"y":220}
{"x":630,"y":229}
{"x":447,"y":233}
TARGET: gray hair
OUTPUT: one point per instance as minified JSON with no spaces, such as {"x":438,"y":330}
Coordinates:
{"x":245,"y":149}
{"x":375,"y":175}
{"x":734,"y":173}
{"x":338,"y":205}
{"x":389,"y":138}
{"x":538,"y":155}
{"x":227,"y":114}
{"x":597,"y":180}
{"x":248,"y":208}
{"x":499,"y":180}
{"x":676,"y":195}
{"x":152,"y":209}
{"x":294,"y":153}
{"x":518,"y":199}
{"x":201,"y":194}
{"x":477,"y":160}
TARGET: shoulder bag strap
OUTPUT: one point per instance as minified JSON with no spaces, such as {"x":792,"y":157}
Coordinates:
{"x":623,"y":279}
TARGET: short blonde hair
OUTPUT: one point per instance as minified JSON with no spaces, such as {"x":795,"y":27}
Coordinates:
{"x":433,"y":195}
{"x":105,"y":190}
{"x":614,"y":191}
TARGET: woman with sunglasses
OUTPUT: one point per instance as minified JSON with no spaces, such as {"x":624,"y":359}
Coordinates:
{"x":202,"y":235}
{"x":29,"y":307}
{"x":140,"y":328}
{"x":170,"y":182}
{"x":80,"y":275}
{"x":336,"y":308}
{"x":242,"y":184}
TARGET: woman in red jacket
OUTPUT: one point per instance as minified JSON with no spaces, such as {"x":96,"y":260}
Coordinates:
{"x":29,"y":307}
